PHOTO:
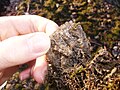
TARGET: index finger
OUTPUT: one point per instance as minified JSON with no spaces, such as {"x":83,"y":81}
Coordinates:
{"x":20,"y":25}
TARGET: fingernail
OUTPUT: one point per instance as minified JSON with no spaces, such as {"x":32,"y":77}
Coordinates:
{"x":39,"y":42}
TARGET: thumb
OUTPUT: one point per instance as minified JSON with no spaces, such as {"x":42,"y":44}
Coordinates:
{"x":21,"y":49}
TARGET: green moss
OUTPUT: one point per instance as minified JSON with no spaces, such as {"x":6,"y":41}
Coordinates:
{"x":86,"y":26}
{"x":116,"y":30}
{"x":113,"y":85}
{"x":18,"y":86}
{"x":78,"y":70}
{"x":97,"y":18}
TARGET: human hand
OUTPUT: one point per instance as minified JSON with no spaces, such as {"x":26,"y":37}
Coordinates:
{"x":24,"y":39}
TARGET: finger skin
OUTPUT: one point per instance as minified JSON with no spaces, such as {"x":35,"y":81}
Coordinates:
{"x":24,"y":24}
{"x":8,"y":73}
{"x":13,"y":28}
{"x":40,"y":69}
{"x":25,"y":74}
{"x":22,"y":49}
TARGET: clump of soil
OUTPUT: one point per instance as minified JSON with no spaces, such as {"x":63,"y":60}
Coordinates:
{"x":68,"y":55}
{"x":71,"y":66}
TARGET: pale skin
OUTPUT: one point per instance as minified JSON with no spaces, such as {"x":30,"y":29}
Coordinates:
{"x":24,"y":40}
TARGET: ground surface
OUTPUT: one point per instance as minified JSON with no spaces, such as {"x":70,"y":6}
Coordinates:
{"x":101,"y":23}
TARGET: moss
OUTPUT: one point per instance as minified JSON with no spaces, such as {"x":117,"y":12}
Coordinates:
{"x":116,"y":30}
{"x":113,"y":85}
{"x":86,"y":26}
{"x":100,"y":21}
{"x":78,"y":70}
